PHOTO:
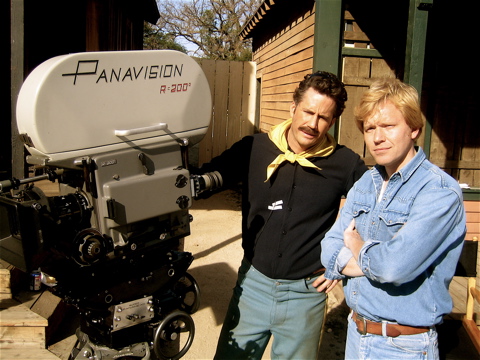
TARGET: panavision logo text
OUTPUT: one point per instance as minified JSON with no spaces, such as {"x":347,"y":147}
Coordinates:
{"x":122,"y":74}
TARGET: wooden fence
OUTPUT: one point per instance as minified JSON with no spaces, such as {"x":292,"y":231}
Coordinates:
{"x":233,"y":88}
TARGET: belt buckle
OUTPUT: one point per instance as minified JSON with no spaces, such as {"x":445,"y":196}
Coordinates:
{"x":364,"y":323}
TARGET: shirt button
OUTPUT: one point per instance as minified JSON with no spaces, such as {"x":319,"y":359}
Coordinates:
{"x":289,"y":209}
{"x":279,"y":255}
{"x":284,"y":232}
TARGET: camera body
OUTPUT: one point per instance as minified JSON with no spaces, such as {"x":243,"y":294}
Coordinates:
{"x":113,"y":129}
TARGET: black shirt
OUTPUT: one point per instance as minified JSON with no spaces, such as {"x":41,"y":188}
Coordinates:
{"x":285,"y":219}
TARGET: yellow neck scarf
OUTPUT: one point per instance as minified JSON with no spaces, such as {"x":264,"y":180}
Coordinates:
{"x":278,"y":135}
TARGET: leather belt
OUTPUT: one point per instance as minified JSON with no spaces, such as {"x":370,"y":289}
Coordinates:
{"x":316,"y":273}
{"x":319,"y":271}
{"x":365,"y":326}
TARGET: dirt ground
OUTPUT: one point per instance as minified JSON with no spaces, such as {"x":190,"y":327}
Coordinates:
{"x":215,"y":243}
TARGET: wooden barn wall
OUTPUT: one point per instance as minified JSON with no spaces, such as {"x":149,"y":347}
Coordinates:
{"x":283,"y":59}
{"x":451,"y":92}
{"x":455,"y":137}
{"x":451,"y":128}
{"x":357,"y":75}
{"x":283,"y":51}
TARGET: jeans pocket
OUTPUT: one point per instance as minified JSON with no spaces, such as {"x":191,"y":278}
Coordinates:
{"x":415,"y":345}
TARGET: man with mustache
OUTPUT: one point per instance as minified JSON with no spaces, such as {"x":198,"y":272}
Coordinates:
{"x":399,"y":235}
{"x":292,"y":181}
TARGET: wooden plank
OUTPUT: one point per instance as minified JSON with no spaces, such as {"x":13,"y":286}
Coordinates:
{"x":233,"y":87}
{"x":52,"y":308}
{"x":467,"y":176}
{"x":280,"y":51}
{"x":22,"y":337}
{"x":355,"y":36}
{"x":292,"y":78}
{"x":278,"y":114}
{"x":381,"y":69}
{"x":219,"y":143}
{"x":283,"y":62}
{"x":279,"y":89}
{"x":349,"y":134}
{"x":293,"y":30}
{"x":472,"y":210}
{"x":280,"y":97}
{"x":356,"y":71}
{"x":471,"y":206}
{"x":458,"y":292}
{"x":472,"y":217}
{"x":205,"y":146}
{"x":304,"y":66}
{"x":473,"y":228}
{"x":249,"y":97}
{"x":14,"y":314}
{"x":473,"y":332}
{"x":27,"y":354}
{"x":5,"y":291}
{"x":235,"y":91}
{"x":20,"y":327}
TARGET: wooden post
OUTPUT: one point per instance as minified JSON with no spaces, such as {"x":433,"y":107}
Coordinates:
{"x":16,"y":81}
{"x":415,"y":54}
{"x":328,"y":41}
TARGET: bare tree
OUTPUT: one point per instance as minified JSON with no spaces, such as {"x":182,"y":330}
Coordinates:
{"x":212,"y":26}
{"x":154,"y":38}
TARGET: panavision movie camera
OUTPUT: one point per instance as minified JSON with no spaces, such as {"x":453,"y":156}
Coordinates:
{"x":113,"y":129}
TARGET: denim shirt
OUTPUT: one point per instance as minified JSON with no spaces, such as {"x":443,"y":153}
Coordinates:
{"x":413,"y":239}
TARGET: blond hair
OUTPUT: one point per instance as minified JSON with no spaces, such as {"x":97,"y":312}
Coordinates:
{"x":403,"y":96}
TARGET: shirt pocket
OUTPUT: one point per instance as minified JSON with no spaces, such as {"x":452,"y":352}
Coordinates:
{"x":393,"y":219}
{"x":360,"y":213}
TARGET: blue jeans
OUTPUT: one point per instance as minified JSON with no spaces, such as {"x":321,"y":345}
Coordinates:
{"x":290,"y":310}
{"x":376,"y":347}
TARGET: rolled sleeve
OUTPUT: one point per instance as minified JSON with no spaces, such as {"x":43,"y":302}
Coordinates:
{"x":364,"y":260}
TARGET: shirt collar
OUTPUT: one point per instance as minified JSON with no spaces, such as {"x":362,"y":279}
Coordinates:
{"x":407,"y":171}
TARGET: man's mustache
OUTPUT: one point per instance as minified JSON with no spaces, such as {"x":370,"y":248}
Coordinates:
{"x":308,"y":130}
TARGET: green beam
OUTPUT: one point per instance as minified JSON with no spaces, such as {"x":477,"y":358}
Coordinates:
{"x":328,"y":40}
{"x":328,"y":36}
{"x":471,"y":194}
{"x":415,"y":53}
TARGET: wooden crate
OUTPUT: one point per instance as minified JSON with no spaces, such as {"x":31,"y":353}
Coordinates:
{"x":27,"y":354}
{"x":20,"y":327}
{"x":5,"y":291}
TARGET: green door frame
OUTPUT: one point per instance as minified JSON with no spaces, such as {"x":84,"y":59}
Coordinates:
{"x":415,"y":54}
{"x":327,"y":43}
{"x":328,"y":47}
